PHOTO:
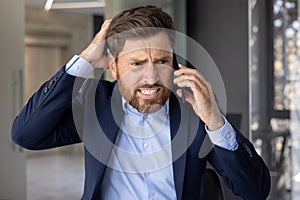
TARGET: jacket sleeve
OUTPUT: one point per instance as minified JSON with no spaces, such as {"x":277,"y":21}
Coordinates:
{"x":46,"y":120}
{"x":243,"y":170}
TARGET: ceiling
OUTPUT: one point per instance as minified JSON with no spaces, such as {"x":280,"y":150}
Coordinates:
{"x":41,"y":3}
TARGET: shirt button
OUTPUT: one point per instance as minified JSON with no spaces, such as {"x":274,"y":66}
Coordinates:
{"x":146,"y":145}
{"x":228,"y":135}
{"x":76,"y":67}
{"x":221,"y":140}
{"x":147,"y":173}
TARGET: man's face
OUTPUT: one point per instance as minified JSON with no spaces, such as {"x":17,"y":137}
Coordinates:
{"x":144,"y":71}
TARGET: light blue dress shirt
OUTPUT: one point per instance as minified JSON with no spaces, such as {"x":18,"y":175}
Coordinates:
{"x":141,"y":135}
{"x":148,"y":175}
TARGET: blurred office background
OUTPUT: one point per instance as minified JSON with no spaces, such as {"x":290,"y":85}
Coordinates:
{"x":254,"y":43}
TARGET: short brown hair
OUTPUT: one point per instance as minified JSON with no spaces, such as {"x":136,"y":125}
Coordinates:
{"x":134,"y":22}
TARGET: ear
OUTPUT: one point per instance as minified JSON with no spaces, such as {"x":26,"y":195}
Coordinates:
{"x":112,"y":65}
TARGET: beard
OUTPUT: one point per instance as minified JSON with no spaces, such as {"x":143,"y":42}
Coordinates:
{"x":141,"y":104}
{"x":149,"y":105}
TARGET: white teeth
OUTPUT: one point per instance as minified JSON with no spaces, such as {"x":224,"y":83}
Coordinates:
{"x":148,"y":91}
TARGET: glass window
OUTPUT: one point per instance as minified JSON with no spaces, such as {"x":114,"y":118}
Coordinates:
{"x":286,"y":55}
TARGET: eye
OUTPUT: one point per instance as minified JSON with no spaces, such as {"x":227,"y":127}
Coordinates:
{"x":161,"y":62}
{"x":136,"y":63}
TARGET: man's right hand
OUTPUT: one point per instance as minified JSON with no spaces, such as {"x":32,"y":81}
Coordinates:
{"x":94,"y":53}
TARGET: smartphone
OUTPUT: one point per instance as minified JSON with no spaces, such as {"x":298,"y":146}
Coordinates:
{"x":176,"y":67}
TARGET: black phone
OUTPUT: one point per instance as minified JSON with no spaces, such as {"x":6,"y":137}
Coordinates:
{"x":176,"y":67}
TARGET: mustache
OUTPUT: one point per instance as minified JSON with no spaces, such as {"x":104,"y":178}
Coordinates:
{"x":148,"y":86}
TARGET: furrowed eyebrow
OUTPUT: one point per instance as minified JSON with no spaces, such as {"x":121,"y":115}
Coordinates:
{"x":163,"y":58}
{"x":138,"y":60}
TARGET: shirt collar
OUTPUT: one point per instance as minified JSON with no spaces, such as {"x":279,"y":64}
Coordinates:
{"x":126,"y":106}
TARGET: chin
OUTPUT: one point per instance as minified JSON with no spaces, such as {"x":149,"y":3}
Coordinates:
{"x":145,"y":105}
{"x":150,"y":108}
{"x":149,"y":105}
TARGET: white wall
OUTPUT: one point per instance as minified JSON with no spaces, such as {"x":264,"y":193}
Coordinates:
{"x":12,"y":164}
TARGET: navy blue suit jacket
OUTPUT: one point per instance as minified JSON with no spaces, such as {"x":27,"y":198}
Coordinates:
{"x":63,"y":111}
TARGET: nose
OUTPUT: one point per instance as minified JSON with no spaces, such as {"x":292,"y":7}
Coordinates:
{"x":151,"y":74}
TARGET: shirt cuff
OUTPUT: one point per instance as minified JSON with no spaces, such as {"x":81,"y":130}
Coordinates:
{"x":78,"y":66}
{"x":224,"y":137}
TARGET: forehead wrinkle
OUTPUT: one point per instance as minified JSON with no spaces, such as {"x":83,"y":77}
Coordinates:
{"x":147,"y":53}
{"x":157,"y":41}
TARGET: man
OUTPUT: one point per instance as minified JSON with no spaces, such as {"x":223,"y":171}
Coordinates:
{"x":141,"y":141}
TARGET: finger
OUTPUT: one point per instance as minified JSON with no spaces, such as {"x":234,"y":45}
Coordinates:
{"x":199,"y":90}
{"x":182,"y":66}
{"x":104,"y":27}
{"x":183,"y":79}
{"x":106,"y":23}
{"x":186,"y":70}
{"x":185,"y":73}
{"x":189,"y":80}
{"x":101,"y":35}
{"x":188,"y":96}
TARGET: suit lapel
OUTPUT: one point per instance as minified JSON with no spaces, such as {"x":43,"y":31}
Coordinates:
{"x":179,"y":137}
{"x":109,"y":115}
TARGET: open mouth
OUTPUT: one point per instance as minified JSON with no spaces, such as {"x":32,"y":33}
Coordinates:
{"x":149,"y":93}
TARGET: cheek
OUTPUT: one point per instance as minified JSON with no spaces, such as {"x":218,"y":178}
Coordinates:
{"x":129,"y":81}
{"x":166,"y":77}
{"x":131,"y":76}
